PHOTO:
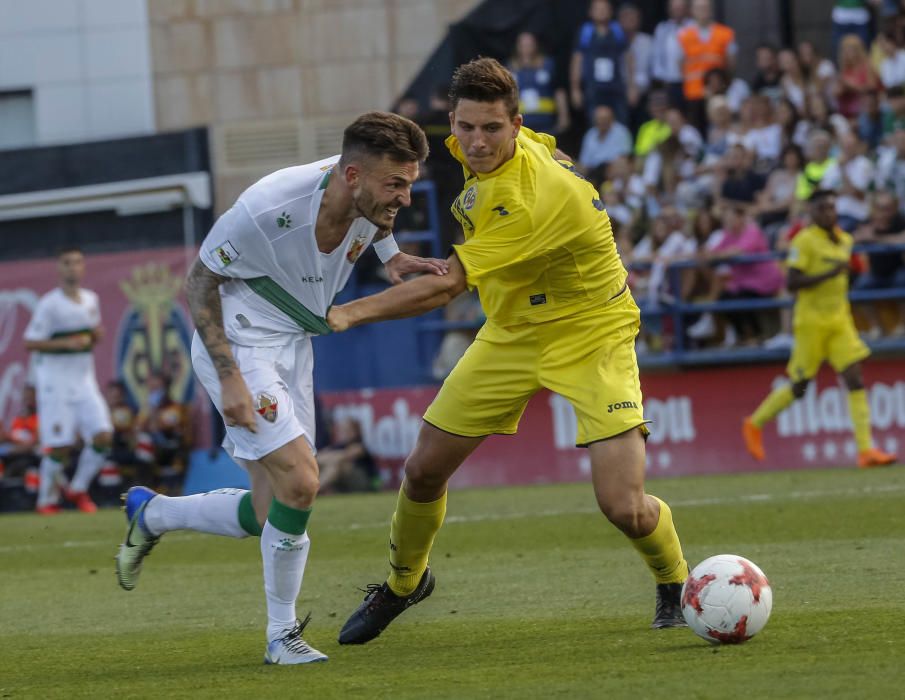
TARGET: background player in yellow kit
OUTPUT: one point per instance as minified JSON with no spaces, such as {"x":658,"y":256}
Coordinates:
{"x":824,"y":329}
{"x":540,"y":250}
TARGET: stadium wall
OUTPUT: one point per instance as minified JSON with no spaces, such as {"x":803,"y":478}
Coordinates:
{"x":695,"y":416}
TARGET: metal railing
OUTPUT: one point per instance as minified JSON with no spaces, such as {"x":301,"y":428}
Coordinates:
{"x":680,"y":353}
{"x":676,"y":309}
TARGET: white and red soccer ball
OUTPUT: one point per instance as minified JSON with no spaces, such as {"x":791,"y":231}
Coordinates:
{"x":726,"y":599}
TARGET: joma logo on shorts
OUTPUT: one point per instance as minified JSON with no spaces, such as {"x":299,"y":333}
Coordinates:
{"x":622,"y":404}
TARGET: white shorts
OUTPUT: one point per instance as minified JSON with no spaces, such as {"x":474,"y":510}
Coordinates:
{"x":281,"y":382}
{"x":65,"y":413}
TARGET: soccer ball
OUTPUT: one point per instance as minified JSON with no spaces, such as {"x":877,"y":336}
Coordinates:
{"x":726,"y":599}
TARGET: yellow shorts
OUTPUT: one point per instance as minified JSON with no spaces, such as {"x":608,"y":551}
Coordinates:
{"x":588,"y":358}
{"x":837,"y":342}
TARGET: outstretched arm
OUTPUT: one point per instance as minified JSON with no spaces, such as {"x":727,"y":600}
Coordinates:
{"x":410,"y":298}
{"x":202,"y":291}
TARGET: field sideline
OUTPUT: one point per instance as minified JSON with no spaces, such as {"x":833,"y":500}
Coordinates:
{"x":537,"y":597}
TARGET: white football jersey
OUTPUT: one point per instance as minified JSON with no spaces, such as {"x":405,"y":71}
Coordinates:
{"x":56,"y":316}
{"x":281,"y":283}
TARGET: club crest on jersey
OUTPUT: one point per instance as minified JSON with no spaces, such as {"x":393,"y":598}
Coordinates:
{"x":355,"y":250}
{"x":266,"y":406}
{"x":226,"y":254}
{"x":468,"y":199}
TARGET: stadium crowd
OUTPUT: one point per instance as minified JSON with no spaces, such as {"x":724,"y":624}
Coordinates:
{"x":151,"y":445}
{"x":696,"y":164}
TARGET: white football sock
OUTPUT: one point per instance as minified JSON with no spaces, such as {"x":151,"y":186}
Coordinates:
{"x":214,"y":512}
{"x":284,"y":558}
{"x":48,"y":486}
{"x":90,"y":463}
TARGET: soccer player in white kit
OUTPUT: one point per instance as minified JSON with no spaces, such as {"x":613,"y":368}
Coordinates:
{"x":65,"y":326}
{"x":266,"y":274}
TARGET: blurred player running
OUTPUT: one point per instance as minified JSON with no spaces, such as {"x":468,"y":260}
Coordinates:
{"x":540,"y":250}
{"x":63,"y":331}
{"x":824,"y":330}
{"x":265,"y":276}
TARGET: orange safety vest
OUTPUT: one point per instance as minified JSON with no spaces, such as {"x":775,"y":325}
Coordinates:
{"x":702,"y":56}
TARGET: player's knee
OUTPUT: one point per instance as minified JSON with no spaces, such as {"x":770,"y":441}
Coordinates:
{"x":799,"y":388}
{"x":625,"y":514}
{"x":299,"y":487}
{"x":420,"y":476}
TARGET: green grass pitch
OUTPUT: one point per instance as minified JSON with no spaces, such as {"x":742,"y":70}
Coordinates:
{"x":537,"y":597}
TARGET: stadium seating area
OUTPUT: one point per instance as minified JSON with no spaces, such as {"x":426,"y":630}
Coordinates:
{"x":705,"y":194}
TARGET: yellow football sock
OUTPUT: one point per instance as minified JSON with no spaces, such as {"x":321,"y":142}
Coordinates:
{"x":860,"y":413}
{"x":661,"y":549}
{"x":412,"y":534}
{"x":778,"y":401}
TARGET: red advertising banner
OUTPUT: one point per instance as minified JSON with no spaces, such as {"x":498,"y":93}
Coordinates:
{"x":146,"y":327}
{"x":696,"y":426}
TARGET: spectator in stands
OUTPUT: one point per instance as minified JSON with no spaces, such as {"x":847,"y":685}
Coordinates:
{"x":850,"y":176}
{"x":655,"y":130}
{"x":166,"y":424}
{"x":891,"y":167}
{"x":543,"y":104}
{"x":892,"y":65}
{"x":887,"y":270}
{"x":817,"y":151}
{"x":666,"y":61}
{"x":737,"y":182}
{"x":705,"y":45}
{"x":894,"y":115}
{"x":735,"y":281}
{"x":640,"y":49}
{"x":790,"y":123}
{"x":819,"y":72}
{"x":345,"y":464}
{"x":665,"y":243}
{"x":20,"y":447}
{"x":856,"y":77}
{"x":603,"y":143}
{"x":764,"y":137}
{"x":124,"y":419}
{"x":768,"y":75}
{"x":777,"y":201}
{"x":623,"y":191}
{"x":851,"y":17}
{"x":792,"y":81}
{"x":870,"y":121}
{"x":718,"y":82}
{"x":596,"y":73}
{"x":666,"y":167}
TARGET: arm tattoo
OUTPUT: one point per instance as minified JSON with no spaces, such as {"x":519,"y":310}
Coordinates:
{"x":383,"y":233}
{"x":202,"y":291}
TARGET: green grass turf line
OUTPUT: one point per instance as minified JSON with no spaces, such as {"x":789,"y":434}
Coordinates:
{"x":537,"y":597}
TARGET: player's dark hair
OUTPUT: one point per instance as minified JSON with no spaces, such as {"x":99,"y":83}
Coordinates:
{"x":484,"y":80}
{"x":66,"y":249}
{"x":384,"y":133}
{"x":820,"y":195}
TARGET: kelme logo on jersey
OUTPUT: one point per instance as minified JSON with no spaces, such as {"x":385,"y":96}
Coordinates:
{"x":284,"y":220}
{"x":355,"y":250}
{"x":266,"y":406}
{"x":226,"y":254}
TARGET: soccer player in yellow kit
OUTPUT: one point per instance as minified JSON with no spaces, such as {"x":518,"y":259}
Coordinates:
{"x":540,"y":250}
{"x":824,"y":329}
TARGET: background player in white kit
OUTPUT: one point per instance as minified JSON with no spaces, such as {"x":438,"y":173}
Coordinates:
{"x":63,"y":330}
{"x":264,"y":279}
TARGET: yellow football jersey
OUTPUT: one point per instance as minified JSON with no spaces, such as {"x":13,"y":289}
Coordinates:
{"x":813,"y":252}
{"x":538,"y":243}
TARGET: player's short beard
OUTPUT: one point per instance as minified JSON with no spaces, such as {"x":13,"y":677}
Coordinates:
{"x":366,"y":206}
